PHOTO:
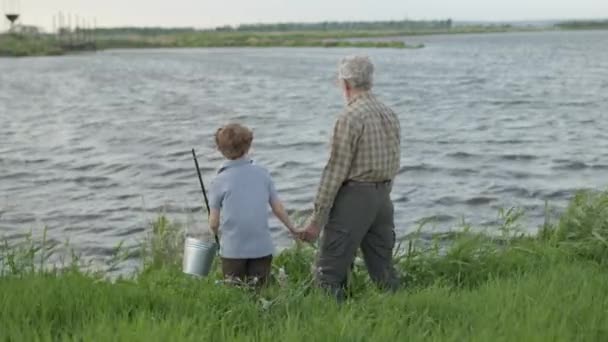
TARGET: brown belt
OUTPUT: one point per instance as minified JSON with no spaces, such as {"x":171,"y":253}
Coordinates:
{"x":362,"y":183}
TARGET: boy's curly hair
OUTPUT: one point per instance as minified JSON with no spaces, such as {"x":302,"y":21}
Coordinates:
{"x":233,"y":140}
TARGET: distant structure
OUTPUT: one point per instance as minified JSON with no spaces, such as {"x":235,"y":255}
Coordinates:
{"x":12,"y":17}
{"x":12,"y":12}
{"x":74,"y":33}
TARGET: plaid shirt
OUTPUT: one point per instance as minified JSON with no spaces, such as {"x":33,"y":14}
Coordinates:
{"x":366,"y":147}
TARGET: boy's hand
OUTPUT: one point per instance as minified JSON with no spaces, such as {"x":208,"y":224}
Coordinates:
{"x":310,"y":234}
{"x":294,"y":233}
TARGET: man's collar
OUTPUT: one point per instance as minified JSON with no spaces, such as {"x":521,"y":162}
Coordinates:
{"x":365,"y":94}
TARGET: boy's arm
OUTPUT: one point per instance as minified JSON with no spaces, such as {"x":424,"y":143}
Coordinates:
{"x":279,"y":211}
{"x":216,"y":196}
{"x":214,"y":221}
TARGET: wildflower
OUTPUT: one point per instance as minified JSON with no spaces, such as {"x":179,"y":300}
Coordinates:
{"x":282,"y":277}
{"x":266,"y":304}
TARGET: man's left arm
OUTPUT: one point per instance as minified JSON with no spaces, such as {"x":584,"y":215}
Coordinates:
{"x":398,"y":128}
{"x":343,"y":148}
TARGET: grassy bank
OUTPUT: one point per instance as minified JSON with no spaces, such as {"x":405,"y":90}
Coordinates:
{"x":469,"y":287}
{"x":42,"y":45}
{"x":21,"y":45}
{"x":296,"y":37}
{"x":338,"y":34}
{"x":210,"y":39}
{"x":328,"y":34}
{"x":584,"y":25}
{"x":12,"y":45}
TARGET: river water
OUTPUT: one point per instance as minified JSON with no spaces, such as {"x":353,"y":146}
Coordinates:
{"x":95,"y":146}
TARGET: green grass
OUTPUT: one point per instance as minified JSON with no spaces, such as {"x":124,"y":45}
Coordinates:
{"x":18,"y":45}
{"x":250,"y":39}
{"x":307,"y":38}
{"x":12,"y":45}
{"x":470,"y":287}
{"x":584,"y":25}
{"x":25,"y":45}
{"x":44,"y":45}
{"x":135,"y":38}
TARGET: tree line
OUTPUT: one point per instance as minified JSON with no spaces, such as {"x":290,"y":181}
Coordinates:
{"x":400,"y":25}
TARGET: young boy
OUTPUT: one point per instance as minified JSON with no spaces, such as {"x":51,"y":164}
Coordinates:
{"x":242,"y":192}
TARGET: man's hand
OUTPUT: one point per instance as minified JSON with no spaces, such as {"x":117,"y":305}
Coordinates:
{"x":310,"y":234}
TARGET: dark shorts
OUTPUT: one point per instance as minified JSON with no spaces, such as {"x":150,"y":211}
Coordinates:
{"x":248,"y":270}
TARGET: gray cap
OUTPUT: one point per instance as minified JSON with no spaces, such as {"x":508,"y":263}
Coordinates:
{"x":358,"y":71}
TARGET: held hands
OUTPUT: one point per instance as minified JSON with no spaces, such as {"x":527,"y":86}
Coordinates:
{"x":309,"y":234}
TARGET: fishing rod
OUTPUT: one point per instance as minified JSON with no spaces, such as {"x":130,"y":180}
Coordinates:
{"x":200,"y":179}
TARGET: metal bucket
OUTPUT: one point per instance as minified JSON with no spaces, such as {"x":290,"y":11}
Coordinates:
{"x":198,"y":256}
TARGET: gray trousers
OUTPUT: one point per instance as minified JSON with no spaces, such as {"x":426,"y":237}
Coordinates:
{"x":362,"y":216}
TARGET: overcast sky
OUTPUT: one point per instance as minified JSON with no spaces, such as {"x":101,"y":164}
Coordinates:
{"x":207,"y":13}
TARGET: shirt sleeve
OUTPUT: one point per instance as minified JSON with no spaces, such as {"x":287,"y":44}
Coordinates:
{"x":343,"y":149}
{"x":216,"y":195}
{"x":398,"y":128}
{"x":274,"y":195}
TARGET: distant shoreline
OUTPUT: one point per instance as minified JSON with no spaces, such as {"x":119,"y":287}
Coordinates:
{"x":16,"y":45}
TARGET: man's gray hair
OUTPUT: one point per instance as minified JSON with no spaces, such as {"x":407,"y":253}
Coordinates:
{"x":358,"y":71}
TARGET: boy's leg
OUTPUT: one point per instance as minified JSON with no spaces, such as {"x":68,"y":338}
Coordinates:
{"x":234,"y":269}
{"x":259,"y":268}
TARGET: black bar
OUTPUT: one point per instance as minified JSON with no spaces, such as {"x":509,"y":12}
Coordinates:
{"x":200,"y":179}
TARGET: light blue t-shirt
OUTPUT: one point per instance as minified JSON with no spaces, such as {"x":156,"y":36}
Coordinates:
{"x":242,"y":192}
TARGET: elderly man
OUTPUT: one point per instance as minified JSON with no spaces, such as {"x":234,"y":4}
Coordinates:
{"x":353,"y":202}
